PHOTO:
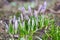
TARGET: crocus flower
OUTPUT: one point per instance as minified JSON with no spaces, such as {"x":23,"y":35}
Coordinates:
{"x":44,"y":7}
{"x":23,"y":10}
{"x":26,"y":17}
{"x":45,"y":3}
{"x":35,"y":13}
{"x":29,"y":9}
{"x":39,"y":8}
{"x":14,"y":19}
{"x":16,"y":24}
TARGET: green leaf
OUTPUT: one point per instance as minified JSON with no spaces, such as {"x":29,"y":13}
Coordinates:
{"x":11,"y":29}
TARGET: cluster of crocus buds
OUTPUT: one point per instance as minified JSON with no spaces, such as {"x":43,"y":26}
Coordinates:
{"x":31,"y":12}
{"x":25,"y":14}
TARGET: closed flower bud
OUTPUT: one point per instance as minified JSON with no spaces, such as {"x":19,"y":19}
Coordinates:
{"x":44,"y":7}
{"x":16,"y":24}
{"x":35,"y":13}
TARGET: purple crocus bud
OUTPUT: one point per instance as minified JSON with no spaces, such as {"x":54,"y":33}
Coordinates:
{"x":40,"y":7}
{"x":26,"y":17}
{"x":45,"y":3}
{"x":23,"y":10}
{"x":14,"y":18}
{"x":16,"y":24}
{"x":35,"y":13}
{"x":30,"y":10}
{"x":44,"y":7}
